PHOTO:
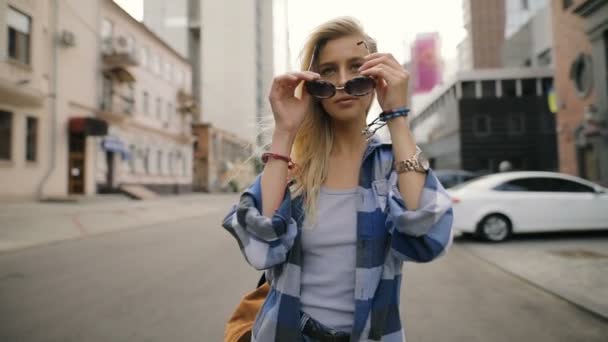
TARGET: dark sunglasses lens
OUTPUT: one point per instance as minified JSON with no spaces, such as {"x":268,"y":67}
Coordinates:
{"x":320,"y":89}
{"x":360,"y":86}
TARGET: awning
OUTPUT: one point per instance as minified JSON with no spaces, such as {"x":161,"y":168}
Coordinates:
{"x":88,"y":126}
{"x":121,"y":73}
{"x":113,"y":144}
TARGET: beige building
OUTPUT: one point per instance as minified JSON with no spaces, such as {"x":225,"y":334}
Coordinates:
{"x":89,"y":100}
{"x":48,"y":72}
{"x":146,"y":100}
{"x":222,"y":161}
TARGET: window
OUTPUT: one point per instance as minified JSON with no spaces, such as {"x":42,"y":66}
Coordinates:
{"x":481,"y":125}
{"x":179,"y":77}
{"x":132,"y":158}
{"x":6,"y":130}
{"x":488,"y":88}
{"x":19,"y":36}
{"x":107,"y":29}
{"x":581,"y":73}
{"x":564,"y":185}
{"x":544,"y":184}
{"x":159,"y":109}
{"x":524,"y":184}
{"x":31,"y":139}
{"x":168,"y":71}
{"x":516,"y":123}
{"x":130,"y":43}
{"x":547,"y":84}
{"x":528,"y":87}
{"x":170,"y":162}
{"x":468,"y":90}
{"x":146,"y":103}
{"x":508,"y":88}
{"x":544,"y":58}
{"x":169,"y":111}
{"x":159,"y":162}
{"x":147,"y":164}
{"x":144,"y":57}
{"x":155,"y":63}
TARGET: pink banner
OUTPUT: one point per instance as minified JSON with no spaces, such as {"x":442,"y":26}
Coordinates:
{"x":426,"y":62}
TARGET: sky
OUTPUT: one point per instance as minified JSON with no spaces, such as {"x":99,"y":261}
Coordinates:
{"x":393,"y":23}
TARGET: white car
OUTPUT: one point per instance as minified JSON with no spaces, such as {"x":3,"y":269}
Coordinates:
{"x":495,"y":206}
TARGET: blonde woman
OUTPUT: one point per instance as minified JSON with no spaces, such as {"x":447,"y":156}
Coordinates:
{"x":333,"y":237}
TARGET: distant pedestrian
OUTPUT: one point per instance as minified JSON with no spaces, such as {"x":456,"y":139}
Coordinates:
{"x":505,"y":166}
{"x":333,"y":236}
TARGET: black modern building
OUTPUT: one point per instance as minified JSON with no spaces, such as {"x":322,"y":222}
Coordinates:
{"x":484,"y":117}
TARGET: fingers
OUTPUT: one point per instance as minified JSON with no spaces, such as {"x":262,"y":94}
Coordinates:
{"x":384,"y":66}
{"x":284,"y":86}
{"x":381,"y":58}
{"x":383,"y":72}
{"x":295,"y":77}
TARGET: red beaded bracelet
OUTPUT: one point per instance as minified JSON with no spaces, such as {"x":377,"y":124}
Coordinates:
{"x":266,"y":155}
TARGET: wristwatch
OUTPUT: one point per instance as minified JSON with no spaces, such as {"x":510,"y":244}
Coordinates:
{"x":417,"y":163}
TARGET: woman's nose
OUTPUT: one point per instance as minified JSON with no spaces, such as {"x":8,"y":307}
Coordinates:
{"x":342,"y":78}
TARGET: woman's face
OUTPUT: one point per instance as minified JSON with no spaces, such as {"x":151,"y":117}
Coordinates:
{"x":338,"y":62}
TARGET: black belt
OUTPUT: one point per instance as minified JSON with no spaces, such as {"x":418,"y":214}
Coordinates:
{"x":318,"y":331}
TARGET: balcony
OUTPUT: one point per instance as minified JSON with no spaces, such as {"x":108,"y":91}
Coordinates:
{"x":186,"y":103}
{"x":119,"y":51}
{"x":19,"y":85}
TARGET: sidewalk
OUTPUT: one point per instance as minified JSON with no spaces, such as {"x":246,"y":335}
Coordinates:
{"x":573,"y":268}
{"x":27,"y":224}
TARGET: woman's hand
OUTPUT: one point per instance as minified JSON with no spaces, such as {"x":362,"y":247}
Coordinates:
{"x":391,"y":79}
{"x":289,"y":110}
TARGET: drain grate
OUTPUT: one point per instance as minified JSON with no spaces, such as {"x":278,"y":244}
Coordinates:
{"x":579,"y":254}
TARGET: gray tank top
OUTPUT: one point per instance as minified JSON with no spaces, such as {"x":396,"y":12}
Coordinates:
{"x":328,"y":263}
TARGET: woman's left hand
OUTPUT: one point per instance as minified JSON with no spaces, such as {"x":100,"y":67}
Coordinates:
{"x":391,"y":79}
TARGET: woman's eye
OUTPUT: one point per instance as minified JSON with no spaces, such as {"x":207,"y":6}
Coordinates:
{"x":326,"y":72}
{"x":356,"y":66}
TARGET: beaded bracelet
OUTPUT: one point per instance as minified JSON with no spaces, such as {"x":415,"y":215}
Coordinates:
{"x":267,"y":155}
{"x":382,"y":119}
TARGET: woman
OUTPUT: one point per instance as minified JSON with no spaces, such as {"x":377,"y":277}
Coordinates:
{"x":332,"y":241}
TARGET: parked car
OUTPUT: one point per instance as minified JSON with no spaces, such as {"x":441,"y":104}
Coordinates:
{"x":450,"y":178}
{"x":495,"y":206}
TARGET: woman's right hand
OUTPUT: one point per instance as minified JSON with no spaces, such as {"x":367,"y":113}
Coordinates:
{"x":289,"y":110}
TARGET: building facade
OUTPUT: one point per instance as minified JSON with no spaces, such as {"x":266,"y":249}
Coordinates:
{"x":230,"y":44}
{"x":484,"y":117}
{"x":528,"y":34}
{"x":90,"y":100}
{"x":581,"y":76}
{"x":222,"y":161}
{"x":49,"y":67}
{"x":146,"y":99}
{"x":484,"y":21}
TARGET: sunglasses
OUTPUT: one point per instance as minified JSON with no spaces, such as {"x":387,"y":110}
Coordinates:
{"x":357,"y":86}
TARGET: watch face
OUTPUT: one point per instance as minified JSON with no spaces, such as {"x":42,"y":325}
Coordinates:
{"x":424,"y":163}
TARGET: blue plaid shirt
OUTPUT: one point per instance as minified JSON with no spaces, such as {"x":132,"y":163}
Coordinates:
{"x":387,"y":235}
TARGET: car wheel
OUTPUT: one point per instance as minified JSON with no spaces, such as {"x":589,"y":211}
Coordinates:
{"x":494,"y":228}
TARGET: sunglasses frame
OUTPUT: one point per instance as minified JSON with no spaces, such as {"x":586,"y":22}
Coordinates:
{"x":335,"y":89}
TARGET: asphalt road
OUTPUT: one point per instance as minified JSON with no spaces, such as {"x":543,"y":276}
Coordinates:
{"x":181,"y":281}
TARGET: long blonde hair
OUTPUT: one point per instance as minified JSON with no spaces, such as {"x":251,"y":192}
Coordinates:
{"x":314,"y":140}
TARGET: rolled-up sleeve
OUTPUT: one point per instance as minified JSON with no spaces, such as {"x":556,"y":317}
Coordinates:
{"x":264,"y":241}
{"x":423,"y":234}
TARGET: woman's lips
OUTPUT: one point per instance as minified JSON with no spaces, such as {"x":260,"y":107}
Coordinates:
{"x":346,"y":101}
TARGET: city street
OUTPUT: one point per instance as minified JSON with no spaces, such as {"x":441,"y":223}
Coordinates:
{"x":180,"y":280}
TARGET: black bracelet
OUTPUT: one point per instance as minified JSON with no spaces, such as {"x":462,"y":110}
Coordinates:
{"x":401,"y":111}
{"x":381,"y":120}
